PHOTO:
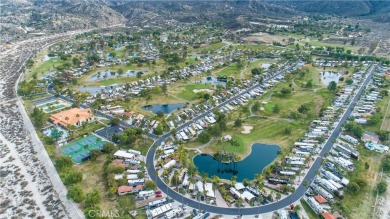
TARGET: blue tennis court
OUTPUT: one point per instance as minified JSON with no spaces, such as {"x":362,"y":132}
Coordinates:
{"x":79,"y":150}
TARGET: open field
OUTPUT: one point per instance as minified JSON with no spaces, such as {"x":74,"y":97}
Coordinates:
{"x":43,"y":67}
{"x":385,"y":108}
{"x":317,"y":43}
{"x":213,"y":47}
{"x":186,"y":91}
{"x":268,"y":131}
{"x":229,"y":71}
{"x":265,"y":38}
{"x":255,"y":64}
{"x":292,"y":102}
{"x":353,"y":205}
{"x":263,"y":47}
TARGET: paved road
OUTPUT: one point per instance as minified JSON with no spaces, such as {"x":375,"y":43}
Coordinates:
{"x":299,"y":192}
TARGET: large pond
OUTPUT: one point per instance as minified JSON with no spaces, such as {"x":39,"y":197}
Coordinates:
{"x":110,"y":74}
{"x":327,"y":77}
{"x":165,"y":108}
{"x":212,"y":80}
{"x":260,"y":157}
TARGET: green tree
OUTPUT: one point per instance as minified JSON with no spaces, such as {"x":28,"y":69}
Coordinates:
{"x":75,"y":193}
{"x":204,"y":137}
{"x":72,"y":177}
{"x":238,"y":123}
{"x":62,"y":162}
{"x":139,"y":74}
{"x":381,"y":187}
{"x":285,"y":91}
{"x":309,"y":84}
{"x":150,"y":185}
{"x":115,"y":121}
{"x":386,"y":163}
{"x":304,"y":109}
{"x":38,"y":118}
{"x":120,"y":71}
{"x":288,"y":130}
{"x":158,"y":130}
{"x":93,"y":154}
{"x":160,"y":114}
{"x":108,"y":147}
{"x":349,"y":81}
{"x":353,"y":187}
{"x":332,"y":86}
{"x":164,"y":88}
{"x":92,"y":198}
{"x":256,"y":106}
{"x":276,"y":108}
{"x":92,"y":212}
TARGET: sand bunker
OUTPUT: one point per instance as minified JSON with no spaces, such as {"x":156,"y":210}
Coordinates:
{"x":247,"y":129}
{"x":203,"y":90}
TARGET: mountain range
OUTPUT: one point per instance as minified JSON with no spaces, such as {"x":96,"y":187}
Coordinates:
{"x":20,"y":16}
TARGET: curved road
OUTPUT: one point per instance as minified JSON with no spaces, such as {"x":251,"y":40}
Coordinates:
{"x":299,"y":192}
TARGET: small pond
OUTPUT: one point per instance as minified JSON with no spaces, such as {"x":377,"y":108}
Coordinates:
{"x":133,"y":54}
{"x":110,"y":74}
{"x":47,"y":58}
{"x":327,"y":77}
{"x":212,"y":80}
{"x":260,"y":157}
{"x":96,"y":89}
{"x":165,"y":108}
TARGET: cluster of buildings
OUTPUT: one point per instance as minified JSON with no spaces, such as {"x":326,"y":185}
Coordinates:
{"x":135,"y":173}
{"x":339,"y":63}
{"x":234,"y":97}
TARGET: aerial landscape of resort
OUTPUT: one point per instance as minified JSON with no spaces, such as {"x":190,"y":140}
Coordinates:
{"x":195,"y":109}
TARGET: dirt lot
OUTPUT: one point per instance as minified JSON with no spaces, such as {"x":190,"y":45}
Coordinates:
{"x":265,"y":38}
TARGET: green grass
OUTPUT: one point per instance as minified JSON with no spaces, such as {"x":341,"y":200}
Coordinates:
{"x":187,"y":92}
{"x":44,"y":68}
{"x":293,"y":101}
{"x":213,"y":47}
{"x":229,"y":71}
{"x":263,"y":47}
{"x":382,"y":104}
{"x":188,"y":62}
{"x":308,"y":210}
{"x":90,"y":127}
{"x":268,"y":131}
{"x":317,"y":43}
{"x":124,"y":204}
{"x":121,"y":53}
{"x":247,"y":72}
{"x":352,"y":205}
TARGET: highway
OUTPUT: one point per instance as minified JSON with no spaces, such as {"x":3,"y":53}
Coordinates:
{"x":299,"y":192}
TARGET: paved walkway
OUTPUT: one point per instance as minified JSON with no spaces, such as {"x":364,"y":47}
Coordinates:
{"x":219,"y":200}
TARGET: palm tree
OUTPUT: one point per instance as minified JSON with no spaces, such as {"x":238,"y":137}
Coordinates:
{"x":215,"y":180}
{"x":204,"y":179}
{"x":78,"y":118}
{"x":233,"y":180}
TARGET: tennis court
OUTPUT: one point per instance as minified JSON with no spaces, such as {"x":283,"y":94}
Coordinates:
{"x":53,"y":105}
{"x":79,"y":150}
